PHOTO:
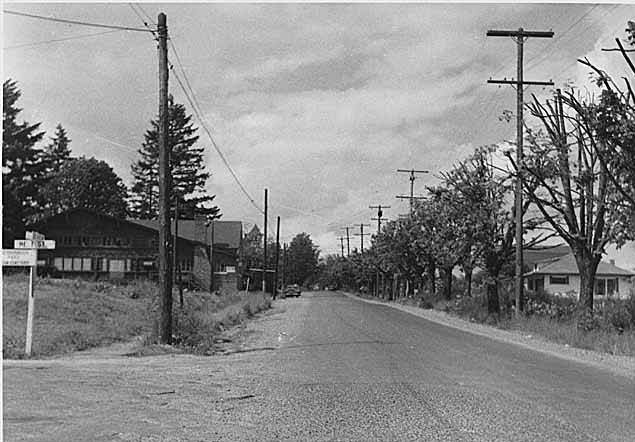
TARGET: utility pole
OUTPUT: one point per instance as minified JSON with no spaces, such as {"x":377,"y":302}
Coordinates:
{"x":264,"y":263}
{"x":412,"y":178}
{"x":341,"y":238}
{"x":275,"y":275}
{"x":284,"y":265}
{"x":348,"y":241}
{"x":361,"y":234}
{"x":175,"y":262}
{"x":519,"y":37}
{"x":380,"y":215}
{"x":211,"y":254}
{"x":165,"y":271}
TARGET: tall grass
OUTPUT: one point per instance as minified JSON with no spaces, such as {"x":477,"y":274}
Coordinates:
{"x":73,"y":315}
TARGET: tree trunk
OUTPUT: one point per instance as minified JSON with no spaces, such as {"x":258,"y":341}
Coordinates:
{"x":433,"y":280}
{"x":468,"y":281}
{"x":447,"y":289}
{"x":493,"y":305}
{"x":587,"y":267}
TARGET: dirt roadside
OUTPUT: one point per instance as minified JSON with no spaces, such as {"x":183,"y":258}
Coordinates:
{"x":103,"y":395}
{"x":622,"y":365}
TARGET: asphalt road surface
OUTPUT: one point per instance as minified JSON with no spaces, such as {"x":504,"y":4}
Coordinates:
{"x":328,"y":367}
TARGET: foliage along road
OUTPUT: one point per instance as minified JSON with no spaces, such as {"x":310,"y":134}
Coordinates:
{"x":325,"y":367}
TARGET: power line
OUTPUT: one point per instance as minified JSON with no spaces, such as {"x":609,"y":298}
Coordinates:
{"x":76,"y":22}
{"x":76,"y":37}
{"x":220,"y":153}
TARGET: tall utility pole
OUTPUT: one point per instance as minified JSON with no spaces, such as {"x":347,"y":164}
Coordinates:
{"x":361,"y":234}
{"x":380,"y":215}
{"x":211,"y":254}
{"x":348,"y":241}
{"x":519,"y":37}
{"x":341,"y":238}
{"x":284,"y":265}
{"x":165,"y":270}
{"x":175,"y":261}
{"x":264,"y":263}
{"x":275,"y":275}
{"x":412,"y":178}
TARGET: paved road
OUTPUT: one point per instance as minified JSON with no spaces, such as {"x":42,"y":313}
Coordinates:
{"x":357,"y":371}
{"x":325,"y":367}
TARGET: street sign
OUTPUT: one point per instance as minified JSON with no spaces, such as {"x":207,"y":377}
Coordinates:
{"x":34,"y":244}
{"x":34,"y":235}
{"x":19,"y":257}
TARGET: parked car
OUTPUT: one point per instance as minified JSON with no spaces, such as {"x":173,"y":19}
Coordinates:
{"x":292,"y":290}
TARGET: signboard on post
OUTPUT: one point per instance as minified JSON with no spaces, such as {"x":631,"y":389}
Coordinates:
{"x":25,"y":255}
{"x":21,"y":258}
{"x":34,"y":244}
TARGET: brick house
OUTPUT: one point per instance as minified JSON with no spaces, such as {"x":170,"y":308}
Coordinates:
{"x":94,"y":245}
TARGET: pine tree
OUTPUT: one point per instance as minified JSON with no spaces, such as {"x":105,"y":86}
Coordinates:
{"x":58,"y":151}
{"x":22,"y":166}
{"x":186,"y":163}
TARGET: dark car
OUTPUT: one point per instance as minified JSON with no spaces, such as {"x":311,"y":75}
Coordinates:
{"x":292,"y":290}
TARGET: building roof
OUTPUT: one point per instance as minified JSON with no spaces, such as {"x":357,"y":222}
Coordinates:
{"x":539,"y":254}
{"x":566,"y":265}
{"x":226,"y":233}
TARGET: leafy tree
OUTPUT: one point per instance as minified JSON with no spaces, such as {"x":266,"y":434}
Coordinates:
{"x":87,"y":184}
{"x":22,"y":167}
{"x":186,"y":165}
{"x":302,"y":257}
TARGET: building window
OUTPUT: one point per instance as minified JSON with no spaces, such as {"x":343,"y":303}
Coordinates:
{"x":58,"y":263}
{"x":87,"y":264}
{"x":68,"y":264}
{"x":612,"y":286}
{"x":559,"y":280}
{"x":600,"y":287}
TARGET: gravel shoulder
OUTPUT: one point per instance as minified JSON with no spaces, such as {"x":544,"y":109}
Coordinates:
{"x":622,"y":365}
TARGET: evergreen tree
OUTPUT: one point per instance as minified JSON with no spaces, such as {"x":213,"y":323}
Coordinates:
{"x":58,"y":151}
{"x":186,"y":164}
{"x":303,"y":259}
{"x":22,"y":167}
{"x":88,"y":184}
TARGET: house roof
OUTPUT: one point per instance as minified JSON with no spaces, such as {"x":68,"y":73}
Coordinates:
{"x":566,"y":265}
{"x":541,"y":254}
{"x":227,"y":233}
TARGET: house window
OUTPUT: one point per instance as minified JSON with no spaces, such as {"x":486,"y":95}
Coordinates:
{"x":68,"y":264}
{"x":87,"y":264}
{"x":600,"y":287}
{"x":559,"y":280}
{"x":58,"y":263}
{"x":612,"y":286}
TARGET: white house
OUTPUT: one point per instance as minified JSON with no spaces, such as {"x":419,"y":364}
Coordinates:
{"x":560,"y":276}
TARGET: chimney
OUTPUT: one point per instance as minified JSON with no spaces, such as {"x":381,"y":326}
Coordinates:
{"x":612,"y":262}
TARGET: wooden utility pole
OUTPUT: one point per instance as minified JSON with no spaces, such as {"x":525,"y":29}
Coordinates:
{"x":264,"y":263}
{"x":275,"y":275}
{"x":380,"y":215}
{"x":341,"y":238}
{"x":361,"y":234}
{"x":412,"y":178}
{"x":209,"y":223}
{"x":348,"y":241}
{"x":165,"y":271}
{"x":284,"y":265}
{"x":175,"y":262}
{"x":519,"y":37}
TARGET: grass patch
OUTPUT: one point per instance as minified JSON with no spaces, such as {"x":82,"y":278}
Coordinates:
{"x":199,"y":324}
{"x":72,"y":315}
{"x":610,"y":329}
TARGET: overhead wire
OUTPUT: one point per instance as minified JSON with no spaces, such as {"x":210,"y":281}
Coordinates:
{"x":44,"y":42}
{"x":75,"y":22}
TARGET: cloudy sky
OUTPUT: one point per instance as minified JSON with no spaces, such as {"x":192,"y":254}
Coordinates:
{"x":320,"y":103}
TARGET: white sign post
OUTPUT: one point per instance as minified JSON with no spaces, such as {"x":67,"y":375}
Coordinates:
{"x":25,"y":255}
